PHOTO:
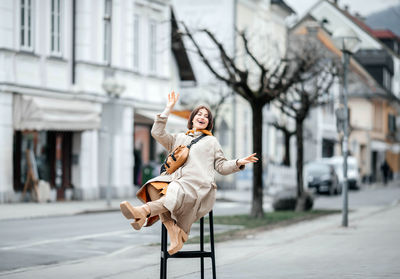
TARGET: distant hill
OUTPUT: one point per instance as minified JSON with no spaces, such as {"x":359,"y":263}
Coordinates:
{"x":386,"y":19}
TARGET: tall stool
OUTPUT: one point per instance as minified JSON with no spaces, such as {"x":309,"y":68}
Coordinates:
{"x":189,"y":254}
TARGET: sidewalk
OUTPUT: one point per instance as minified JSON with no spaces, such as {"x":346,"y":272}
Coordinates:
{"x":320,"y":248}
{"x":39,"y":210}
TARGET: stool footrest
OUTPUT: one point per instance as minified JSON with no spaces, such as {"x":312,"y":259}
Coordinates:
{"x":191,"y":254}
{"x":201,"y":254}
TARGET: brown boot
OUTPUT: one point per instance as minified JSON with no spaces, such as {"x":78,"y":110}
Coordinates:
{"x":176,"y":235}
{"x":139,"y":213}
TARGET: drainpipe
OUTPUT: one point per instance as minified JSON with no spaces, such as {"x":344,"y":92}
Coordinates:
{"x":73,"y":41}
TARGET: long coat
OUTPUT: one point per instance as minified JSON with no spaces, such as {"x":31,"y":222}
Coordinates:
{"x":191,"y":190}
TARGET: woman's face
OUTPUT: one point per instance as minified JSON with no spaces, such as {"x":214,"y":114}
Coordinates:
{"x":200,"y":120}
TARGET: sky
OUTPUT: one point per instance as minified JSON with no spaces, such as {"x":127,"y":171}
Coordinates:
{"x":364,"y":7}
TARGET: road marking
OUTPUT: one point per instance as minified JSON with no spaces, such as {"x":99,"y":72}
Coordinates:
{"x":122,"y":250}
{"x":68,"y":239}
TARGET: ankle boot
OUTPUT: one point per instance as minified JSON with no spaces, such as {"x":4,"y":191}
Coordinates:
{"x":139,"y":213}
{"x":177,"y":237}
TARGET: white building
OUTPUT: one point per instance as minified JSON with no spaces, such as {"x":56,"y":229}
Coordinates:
{"x":264,"y":22}
{"x":55,"y":56}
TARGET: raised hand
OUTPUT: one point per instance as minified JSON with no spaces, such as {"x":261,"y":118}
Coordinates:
{"x":172,"y":99}
{"x":249,"y":159}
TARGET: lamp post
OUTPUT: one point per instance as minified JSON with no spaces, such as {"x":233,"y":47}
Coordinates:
{"x":347,"y":41}
{"x":114,"y":91}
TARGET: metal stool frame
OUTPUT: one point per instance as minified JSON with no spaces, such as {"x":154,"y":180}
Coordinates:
{"x":189,"y":254}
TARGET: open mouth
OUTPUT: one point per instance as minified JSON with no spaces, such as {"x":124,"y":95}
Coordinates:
{"x":201,"y":122}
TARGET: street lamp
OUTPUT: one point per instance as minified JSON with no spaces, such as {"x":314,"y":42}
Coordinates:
{"x":347,"y":41}
{"x":114,"y":90}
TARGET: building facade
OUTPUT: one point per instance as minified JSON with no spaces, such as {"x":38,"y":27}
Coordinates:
{"x":374,"y":110}
{"x":264,"y":23}
{"x":80,"y":82}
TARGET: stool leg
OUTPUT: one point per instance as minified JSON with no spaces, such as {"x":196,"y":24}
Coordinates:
{"x":211,"y":220}
{"x":202,"y":247}
{"x":164,"y":242}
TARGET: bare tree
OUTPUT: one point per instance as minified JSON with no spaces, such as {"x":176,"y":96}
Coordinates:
{"x":219,"y":97}
{"x":287,"y":134}
{"x":271,"y":81}
{"x":306,"y":94}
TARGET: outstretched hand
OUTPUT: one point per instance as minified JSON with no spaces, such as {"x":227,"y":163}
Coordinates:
{"x":249,"y":159}
{"x":172,"y":99}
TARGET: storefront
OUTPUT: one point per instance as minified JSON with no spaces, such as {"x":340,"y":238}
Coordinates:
{"x":51,"y":129}
{"x":53,"y":156}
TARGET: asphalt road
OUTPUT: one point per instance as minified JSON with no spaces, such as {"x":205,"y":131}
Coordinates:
{"x":367,"y":195}
{"x":46,"y":241}
{"x":26,"y":243}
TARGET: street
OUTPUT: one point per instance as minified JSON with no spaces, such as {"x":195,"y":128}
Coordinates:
{"x":46,"y":241}
{"x":29,"y":245}
{"x":368,"y":195}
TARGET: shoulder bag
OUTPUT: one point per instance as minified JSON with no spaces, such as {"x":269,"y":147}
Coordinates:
{"x":178,"y":157}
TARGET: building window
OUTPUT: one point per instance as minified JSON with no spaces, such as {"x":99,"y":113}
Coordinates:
{"x":152,"y":47}
{"x":224,"y":133}
{"x":26,"y":25}
{"x":136,"y":22}
{"x":392,"y":123}
{"x":55,"y":26}
{"x":328,"y":148}
{"x":387,"y":79}
{"x":107,"y":31}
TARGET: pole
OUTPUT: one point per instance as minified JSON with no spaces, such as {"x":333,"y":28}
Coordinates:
{"x":346,"y":58}
{"x":110,"y":153}
{"x":234,"y":104}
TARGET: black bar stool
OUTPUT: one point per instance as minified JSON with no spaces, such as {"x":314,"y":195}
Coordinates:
{"x":189,"y":254}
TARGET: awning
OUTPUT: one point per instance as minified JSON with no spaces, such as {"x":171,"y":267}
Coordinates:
{"x":379,"y":146}
{"x":395,"y":148}
{"x":174,"y":124}
{"x":41,"y":113}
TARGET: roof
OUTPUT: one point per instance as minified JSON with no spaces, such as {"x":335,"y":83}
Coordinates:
{"x":363,"y":26}
{"x":365,"y":77}
{"x":385,"y":34}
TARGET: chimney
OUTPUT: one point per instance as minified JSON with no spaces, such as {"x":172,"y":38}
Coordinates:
{"x":359,"y":16}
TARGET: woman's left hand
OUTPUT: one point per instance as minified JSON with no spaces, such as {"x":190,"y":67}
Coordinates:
{"x":249,"y":159}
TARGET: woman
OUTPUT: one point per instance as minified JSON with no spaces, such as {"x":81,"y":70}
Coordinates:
{"x":186,"y":195}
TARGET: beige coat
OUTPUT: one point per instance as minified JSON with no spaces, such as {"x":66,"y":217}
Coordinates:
{"x":192,"y":188}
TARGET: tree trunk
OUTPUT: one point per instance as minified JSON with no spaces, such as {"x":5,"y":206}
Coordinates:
{"x":257,"y":202}
{"x":301,"y":198}
{"x":286,"y":158}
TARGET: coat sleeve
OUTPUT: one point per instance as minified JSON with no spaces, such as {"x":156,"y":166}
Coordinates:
{"x":223,"y":165}
{"x":161,"y":135}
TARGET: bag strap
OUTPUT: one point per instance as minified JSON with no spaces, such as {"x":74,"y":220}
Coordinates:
{"x":195,"y":140}
{"x":162,"y":169}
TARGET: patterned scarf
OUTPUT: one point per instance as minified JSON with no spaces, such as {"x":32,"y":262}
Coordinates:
{"x":207,"y":132}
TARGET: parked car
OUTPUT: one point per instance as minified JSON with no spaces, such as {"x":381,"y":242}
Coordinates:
{"x":321,"y":177}
{"x":353,"y":175}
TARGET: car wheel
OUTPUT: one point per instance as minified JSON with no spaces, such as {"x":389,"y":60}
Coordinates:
{"x":331,"y":191}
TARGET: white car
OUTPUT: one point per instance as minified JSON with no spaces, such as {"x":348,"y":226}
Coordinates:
{"x":353,"y":175}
